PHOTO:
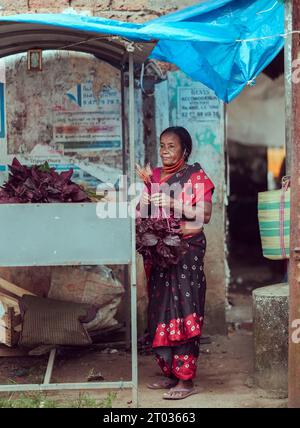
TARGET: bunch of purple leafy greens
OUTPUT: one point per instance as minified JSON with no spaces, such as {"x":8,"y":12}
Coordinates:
{"x":158,"y":238}
{"x":40,"y":184}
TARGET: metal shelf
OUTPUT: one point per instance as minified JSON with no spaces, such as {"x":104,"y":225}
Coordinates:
{"x":72,"y":234}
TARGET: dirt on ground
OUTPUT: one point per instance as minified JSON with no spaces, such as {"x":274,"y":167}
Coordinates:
{"x":224,"y":379}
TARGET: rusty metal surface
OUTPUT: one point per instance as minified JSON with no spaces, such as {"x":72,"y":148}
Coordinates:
{"x":288,"y":84}
{"x":17,"y":37}
{"x":294,"y":271}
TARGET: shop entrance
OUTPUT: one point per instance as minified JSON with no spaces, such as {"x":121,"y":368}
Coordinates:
{"x":256,"y":163}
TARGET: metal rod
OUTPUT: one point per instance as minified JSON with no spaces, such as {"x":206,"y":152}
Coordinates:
{"x":65,"y":386}
{"x":131,"y":121}
{"x":294,"y":268}
{"x":288,"y":85}
{"x":124,"y":145}
{"x":50,"y":366}
{"x":125,"y":172}
{"x":127,"y":297}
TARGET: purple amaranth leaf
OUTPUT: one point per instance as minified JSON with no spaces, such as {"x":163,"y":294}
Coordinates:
{"x":18,"y":167}
{"x":80,"y":196}
{"x":172,"y":240}
{"x":74,"y":193}
{"x":65,"y":176}
{"x":149,"y":239}
{"x":163,"y":250}
{"x":168,"y":242}
{"x":35,"y":175}
{"x":29,"y":183}
{"x":41,"y":184}
{"x":159,"y":225}
{"x":52,"y":190}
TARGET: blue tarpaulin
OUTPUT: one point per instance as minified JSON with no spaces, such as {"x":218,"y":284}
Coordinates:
{"x":231,"y":41}
{"x":224,"y":44}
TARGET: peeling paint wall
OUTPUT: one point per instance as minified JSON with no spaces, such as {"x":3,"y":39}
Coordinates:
{"x":251,"y":115}
{"x":34,"y":99}
{"x":37,"y":103}
{"x":183,"y":102}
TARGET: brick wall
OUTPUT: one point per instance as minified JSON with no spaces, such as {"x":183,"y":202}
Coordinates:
{"x":126,"y":10}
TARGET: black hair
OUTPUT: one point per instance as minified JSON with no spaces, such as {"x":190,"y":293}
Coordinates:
{"x":184,"y":138}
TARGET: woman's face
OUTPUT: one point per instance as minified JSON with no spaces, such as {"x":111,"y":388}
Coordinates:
{"x":170,"y":149}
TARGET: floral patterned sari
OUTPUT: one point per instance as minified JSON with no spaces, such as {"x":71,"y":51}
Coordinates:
{"x":177,"y":293}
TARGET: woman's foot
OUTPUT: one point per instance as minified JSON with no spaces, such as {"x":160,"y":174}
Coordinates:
{"x":163,"y":384}
{"x":183,"y":389}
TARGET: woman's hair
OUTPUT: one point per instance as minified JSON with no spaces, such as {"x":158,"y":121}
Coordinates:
{"x":184,"y":138}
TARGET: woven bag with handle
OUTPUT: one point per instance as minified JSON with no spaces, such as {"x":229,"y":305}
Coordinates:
{"x":274,"y":221}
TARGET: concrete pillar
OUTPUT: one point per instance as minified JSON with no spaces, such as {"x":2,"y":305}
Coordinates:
{"x":270,"y":317}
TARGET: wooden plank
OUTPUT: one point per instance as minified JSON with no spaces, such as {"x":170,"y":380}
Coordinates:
{"x":8,"y":330}
{"x":18,"y":328}
{"x":14,"y":289}
{"x":8,"y":300}
{"x":5,"y":336}
{"x":7,"y":303}
{"x":8,"y":335}
{"x":15,"y":322}
{"x":12,"y":352}
{"x":50,"y":366}
{"x":4,"y":322}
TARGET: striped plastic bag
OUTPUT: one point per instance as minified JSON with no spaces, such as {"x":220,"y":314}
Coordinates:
{"x":274,"y":221}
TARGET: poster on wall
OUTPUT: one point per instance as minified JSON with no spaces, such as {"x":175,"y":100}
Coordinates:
{"x":2,"y":99}
{"x":86,"y":121}
{"x":198,"y":108}
{"x":197,"y":104}
{"x":2,"y":111}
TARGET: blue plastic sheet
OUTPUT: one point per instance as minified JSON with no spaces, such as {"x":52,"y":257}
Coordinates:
{"x":224,"y":44}
{"x":234,"y":40}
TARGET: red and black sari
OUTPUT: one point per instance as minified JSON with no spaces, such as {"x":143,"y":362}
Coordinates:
{"x":177,"y":293}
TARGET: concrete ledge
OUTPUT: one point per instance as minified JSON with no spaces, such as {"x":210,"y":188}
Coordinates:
{"x":271,"y":320}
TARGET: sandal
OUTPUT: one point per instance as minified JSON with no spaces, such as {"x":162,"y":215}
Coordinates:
{"x":163,"y":384}
{"x":180,"y":393}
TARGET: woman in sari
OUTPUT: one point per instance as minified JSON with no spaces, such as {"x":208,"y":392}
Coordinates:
{"x":177,"y":293}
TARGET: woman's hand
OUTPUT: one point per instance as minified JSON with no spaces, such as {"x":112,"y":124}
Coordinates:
{"x":145,"y":199}
{"x":162,"y":200}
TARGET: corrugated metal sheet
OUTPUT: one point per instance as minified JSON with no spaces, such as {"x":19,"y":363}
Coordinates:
{"x":16,"y":37}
